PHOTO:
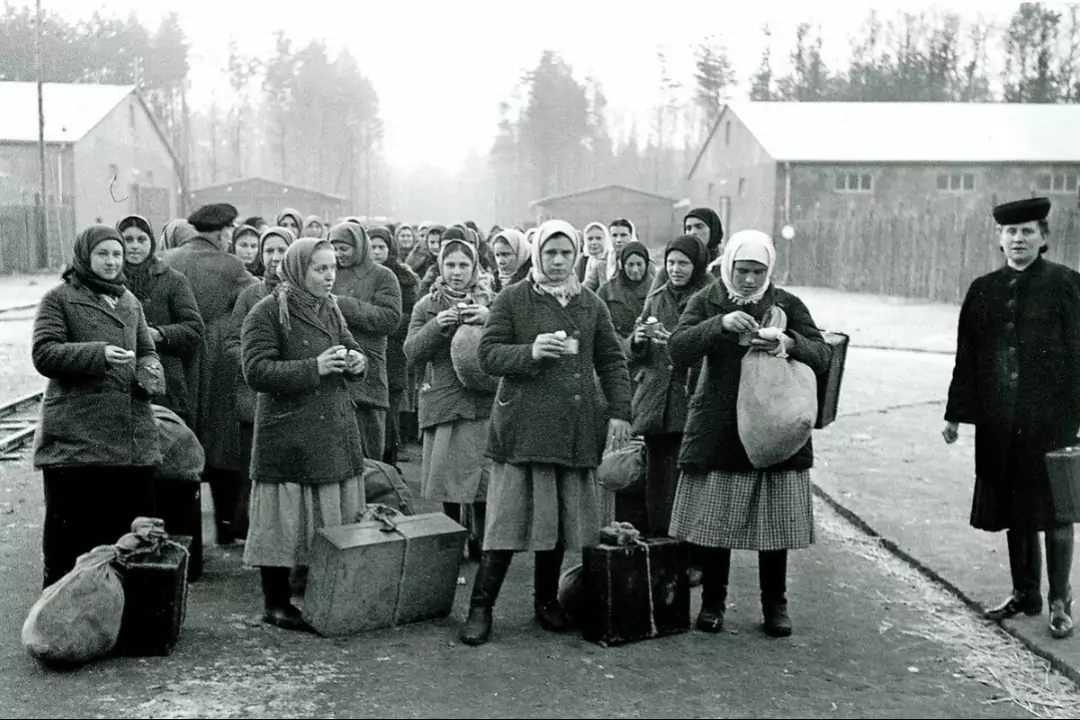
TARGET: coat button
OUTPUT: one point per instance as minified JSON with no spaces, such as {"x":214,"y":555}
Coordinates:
{"x":577,"y":398}
{"x":1010,"y":326}
{"x":577,"y":376}
{"x":1014,"y":376}
{"x":306,"y":343}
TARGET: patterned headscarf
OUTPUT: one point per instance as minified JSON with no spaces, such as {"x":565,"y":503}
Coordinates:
{"x":478,"y":290}
{"x":354,"y":235}
{"x":80,"y":271}
{"x":522,"y":251}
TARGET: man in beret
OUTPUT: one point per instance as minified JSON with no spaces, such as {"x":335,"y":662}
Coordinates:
{"x":216,"y":278}
{"x":1017,"y":380}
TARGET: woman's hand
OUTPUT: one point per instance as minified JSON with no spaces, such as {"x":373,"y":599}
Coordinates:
{"x":618,"y":433}
{"x":739,"y":322}
{"x":951,"y":433}
{"x":156,"y":336}
{"x":661,"y":336}
{"x":773,"y":346}
{"x":333,"y":360}
{"x":475,"y":315}
{"x":546,"y":345}
{"x":357,"y":363}
{"x":639,"y":337}
{"x":118,"y":356}
{"x":448,"y":318}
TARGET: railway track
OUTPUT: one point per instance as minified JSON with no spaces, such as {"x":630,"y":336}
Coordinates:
{"x":18,"y":420}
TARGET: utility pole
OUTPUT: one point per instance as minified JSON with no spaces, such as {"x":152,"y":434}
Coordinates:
{"x":42,"y":221}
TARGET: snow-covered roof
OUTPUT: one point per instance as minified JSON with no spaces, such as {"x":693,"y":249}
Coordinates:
{"x":71,"y":110}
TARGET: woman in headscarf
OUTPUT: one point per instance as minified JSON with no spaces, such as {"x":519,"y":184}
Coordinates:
{"x":426,"y":252}
{"x":625,"y":294}
{"x":722,"y":502}
{"x":453,"y":417}
{"x":97,"y":441}
{"x":176,"y":233}
{"x":549,"y":342}
{"x":405,"y":237}
{"x":291,"y":220}
{"x":460,"y":233}
{"x":593,"y":262}
{"x":273,"y":244}
{"x":313,"y":227}
{"x":397,"y":366}
{"x":704,"y":224}
{"x":513,"y":257}
{"x":370,"y":300}
{"x":308,"y":461}
{"x":245,"y":245}
{"x":660,"y":399}
{"x":170,"y":310}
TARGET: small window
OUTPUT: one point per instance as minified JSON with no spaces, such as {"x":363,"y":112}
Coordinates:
{"x":1045,"y":182}
{"x":855,"y":182}
{"x":727,"y":133}
{"x":942,"y":182}
{"x":1058,"y":182}
{"x":866,"y":183}
{"x":841,"y":182}
{"x":1072,"y":182}
{"x":956,"y":182}
{"x":969,"y":181}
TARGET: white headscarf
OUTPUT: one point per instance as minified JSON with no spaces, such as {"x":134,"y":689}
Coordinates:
{"x":747,"y":245}
{"x":571,"y":286}
{"x":519,"y":244}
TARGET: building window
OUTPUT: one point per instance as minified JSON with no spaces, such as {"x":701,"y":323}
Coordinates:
{"x":854,"y":182}
{"x":956,"y":182}
{"x":1059,"y":182}
{"x":727,"y":133}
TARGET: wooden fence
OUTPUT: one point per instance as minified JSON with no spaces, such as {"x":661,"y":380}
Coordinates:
{"x":931,"y":254}
{"x":20,"y":249}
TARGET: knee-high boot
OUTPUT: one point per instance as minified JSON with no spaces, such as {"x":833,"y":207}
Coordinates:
{"x":489,"y":579}
{"x":546,"y":572}
{"x":280,"y":612}
{"x":772,"y":572}
{"x":476,"y":532}
{"x":715,"y":569}
{"x":1059,"y":554}
{"x":1025,"y":566}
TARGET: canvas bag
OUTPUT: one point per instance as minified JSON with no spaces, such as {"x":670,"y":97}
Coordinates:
{"x":777,"y":403}
{"x":465,"y":356}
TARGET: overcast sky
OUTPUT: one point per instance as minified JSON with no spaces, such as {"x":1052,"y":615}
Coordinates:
{"x":440,"y":68}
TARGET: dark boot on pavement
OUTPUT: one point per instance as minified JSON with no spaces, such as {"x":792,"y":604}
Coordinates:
{"x":280,"y":612}
{"x":486,"y":587}
{"x":1025,"y":566}
{"x":715,"y":570}
{"x":772,"y":573}
{"x":1059,"y":555}
{"x":549,"y":613}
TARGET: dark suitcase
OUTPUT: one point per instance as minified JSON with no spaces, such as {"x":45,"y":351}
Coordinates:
{"x":829,"y":383}
{"x":1063,"y":468}
{"x":179,"y":504}
{"x":635,"y":592}
{"x":155,"y":599}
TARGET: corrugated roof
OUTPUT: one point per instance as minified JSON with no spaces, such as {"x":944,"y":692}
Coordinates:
{"x":71,"y":110}
{"x":588,"y":191}
{"x":911,"y":132}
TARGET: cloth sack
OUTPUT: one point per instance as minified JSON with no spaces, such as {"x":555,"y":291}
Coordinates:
{"x":182,"y":456}
{"x":620,"y":469}
{"x":383,"y":485}
{"x":465,"y":356}
{"x":777,"y":403}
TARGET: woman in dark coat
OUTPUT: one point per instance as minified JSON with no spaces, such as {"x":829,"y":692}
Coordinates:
{"x":548,"y":340}
{"x":97,"y":442}
{"x":273,"y":244}
{"x":722,"y":502}
{"x":704,"y":224}
{"x":397,"y":374}
{"x":625,"y":294}
{"x":1017,"y":380}
{"x":513,"y":258}
{"x":660,"y":400}
{"x":308,"y":461}
{"x":169,"y":306}
{"x":370,"y":300}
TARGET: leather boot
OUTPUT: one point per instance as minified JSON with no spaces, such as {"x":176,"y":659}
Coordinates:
{"x":486,"y":587}
{"x":1025,"y":566}
{"x":772,"y":574}
{"x":224,"y":488}
{"x":1059,"y":553}
{"x":549,"y":613}
{"x":280,"y":612}
{"x":476,"y":532}
{"x":715,"y":569}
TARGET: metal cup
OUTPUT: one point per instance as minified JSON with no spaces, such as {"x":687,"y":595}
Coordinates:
{"x":570,"y":346}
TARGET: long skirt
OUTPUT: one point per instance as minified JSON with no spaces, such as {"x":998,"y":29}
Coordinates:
{"x":372,"y":423}
{"x":745,"y":510}
{"x":285,"y":516}
{"x":88,"y":506}
{"x":540,"y":507}
{"x":454,"y":469}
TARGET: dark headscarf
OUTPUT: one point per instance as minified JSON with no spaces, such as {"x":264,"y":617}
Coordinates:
{"x":716,"y":229}
{"x":695,"y":249}
{"x":272,"y":279}
{"x":137,"y":277}
{"x":633,"y":248}
{"x":355,"y":235}
{"x":295,"y":215}
{"x":79,"y":271}
{"x":292,"y":288}
{"x":255,"y":267}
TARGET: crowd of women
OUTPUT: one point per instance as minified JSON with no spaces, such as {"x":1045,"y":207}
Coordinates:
{"x":297,"y":349}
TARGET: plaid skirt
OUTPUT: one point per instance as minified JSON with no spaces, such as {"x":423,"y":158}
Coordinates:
{"x":745,"y":510}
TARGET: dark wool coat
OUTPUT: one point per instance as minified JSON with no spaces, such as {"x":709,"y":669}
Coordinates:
{"x":305,"y":423}
{"x":1017,"y":380}
{"x":370,"y":300}
{"x":711,"y":440}
{"x":245,"y":396}
{"x":93,"y":413}
{"x":551,"y":411}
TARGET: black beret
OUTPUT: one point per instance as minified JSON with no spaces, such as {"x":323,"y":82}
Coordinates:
{"x":211,"y":218}
{"x":1022,"y":211}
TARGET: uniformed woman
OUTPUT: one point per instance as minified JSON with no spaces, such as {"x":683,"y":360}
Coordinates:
{"x":1017,"y":380}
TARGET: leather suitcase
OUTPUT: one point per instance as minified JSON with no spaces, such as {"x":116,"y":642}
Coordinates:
{"x":367,"y":576}
{"x":1063,"y":467}
{"x":155,"y":599}
{"x":635,"y":592}
{"x":829,"y":383}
